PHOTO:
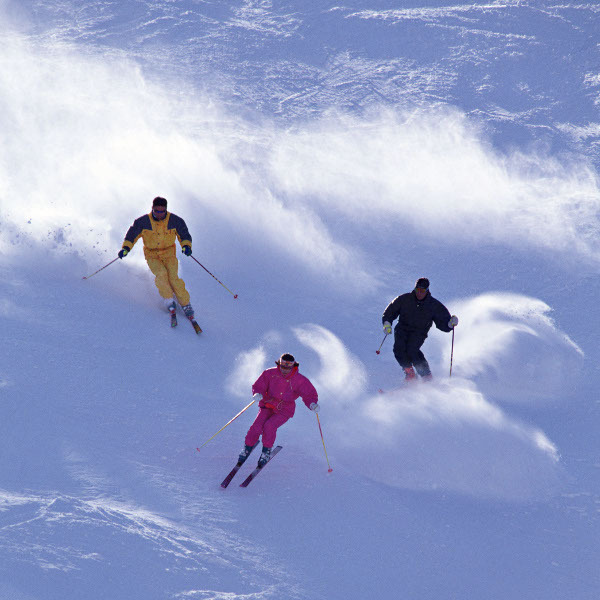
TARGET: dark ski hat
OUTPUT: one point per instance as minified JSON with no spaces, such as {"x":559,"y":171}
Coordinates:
{"x":158,"y":201}
{"x":422,"y":283}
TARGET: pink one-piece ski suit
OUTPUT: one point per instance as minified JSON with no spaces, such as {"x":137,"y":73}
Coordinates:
{"x":278,"y":404}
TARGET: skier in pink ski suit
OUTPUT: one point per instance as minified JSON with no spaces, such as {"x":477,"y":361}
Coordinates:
{"x":279,"y":388}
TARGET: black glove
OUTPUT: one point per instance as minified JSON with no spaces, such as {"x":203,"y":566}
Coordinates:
{"x":123,"y":252}
{"x":187,"y":250}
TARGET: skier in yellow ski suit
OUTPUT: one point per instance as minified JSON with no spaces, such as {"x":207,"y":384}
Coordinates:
{"x":158,"y":230}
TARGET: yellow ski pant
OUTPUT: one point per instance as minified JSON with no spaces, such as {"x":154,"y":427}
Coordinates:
{"x":164,"y":265}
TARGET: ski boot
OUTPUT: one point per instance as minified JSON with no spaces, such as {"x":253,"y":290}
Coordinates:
{"x":409,"y":374}
{"x":264,"y":457}
{"x":244,"y":454}
{"x":171,"y":307}
{"x":188,"y":311}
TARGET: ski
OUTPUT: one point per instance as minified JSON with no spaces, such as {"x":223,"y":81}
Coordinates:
{"x":195,"y":325}
{"x":235,"y":469}
{"x":259,"y":469}
{"x":173,"y":318}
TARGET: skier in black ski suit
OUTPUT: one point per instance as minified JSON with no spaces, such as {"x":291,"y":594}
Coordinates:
{"x":416,"y":312}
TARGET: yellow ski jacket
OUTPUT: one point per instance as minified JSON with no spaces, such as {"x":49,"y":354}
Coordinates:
{"x":158,"y":235}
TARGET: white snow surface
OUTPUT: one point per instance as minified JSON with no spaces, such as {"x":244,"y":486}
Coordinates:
{"x":324,"y":157}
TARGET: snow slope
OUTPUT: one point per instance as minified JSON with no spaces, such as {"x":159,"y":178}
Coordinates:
{"x":323,"y":157}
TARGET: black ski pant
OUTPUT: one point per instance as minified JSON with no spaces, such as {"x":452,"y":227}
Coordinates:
{"x":407,"y":350}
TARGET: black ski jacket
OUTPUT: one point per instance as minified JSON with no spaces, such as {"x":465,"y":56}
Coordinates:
{"x":417,"y":315}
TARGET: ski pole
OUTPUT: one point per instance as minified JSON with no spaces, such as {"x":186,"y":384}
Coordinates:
{"x":104,"y":267}
{"x":379,"y":351}
{"x":452,"y":352}
{"x":234,"y":295}
{"x":226,"y":424}
{"x":326,"y":457}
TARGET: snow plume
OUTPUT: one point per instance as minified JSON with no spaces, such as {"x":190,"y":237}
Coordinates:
{"x":247,"y":369}
{"x":342,"y":376}
{"x":449,"y":437}
{"x":444,"y":435}
{"x":433,"y":170}
{"x":89,"y":139}
{"x":512,"y":348}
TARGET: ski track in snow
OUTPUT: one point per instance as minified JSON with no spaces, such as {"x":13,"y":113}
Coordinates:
{"x":63,"y":533}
